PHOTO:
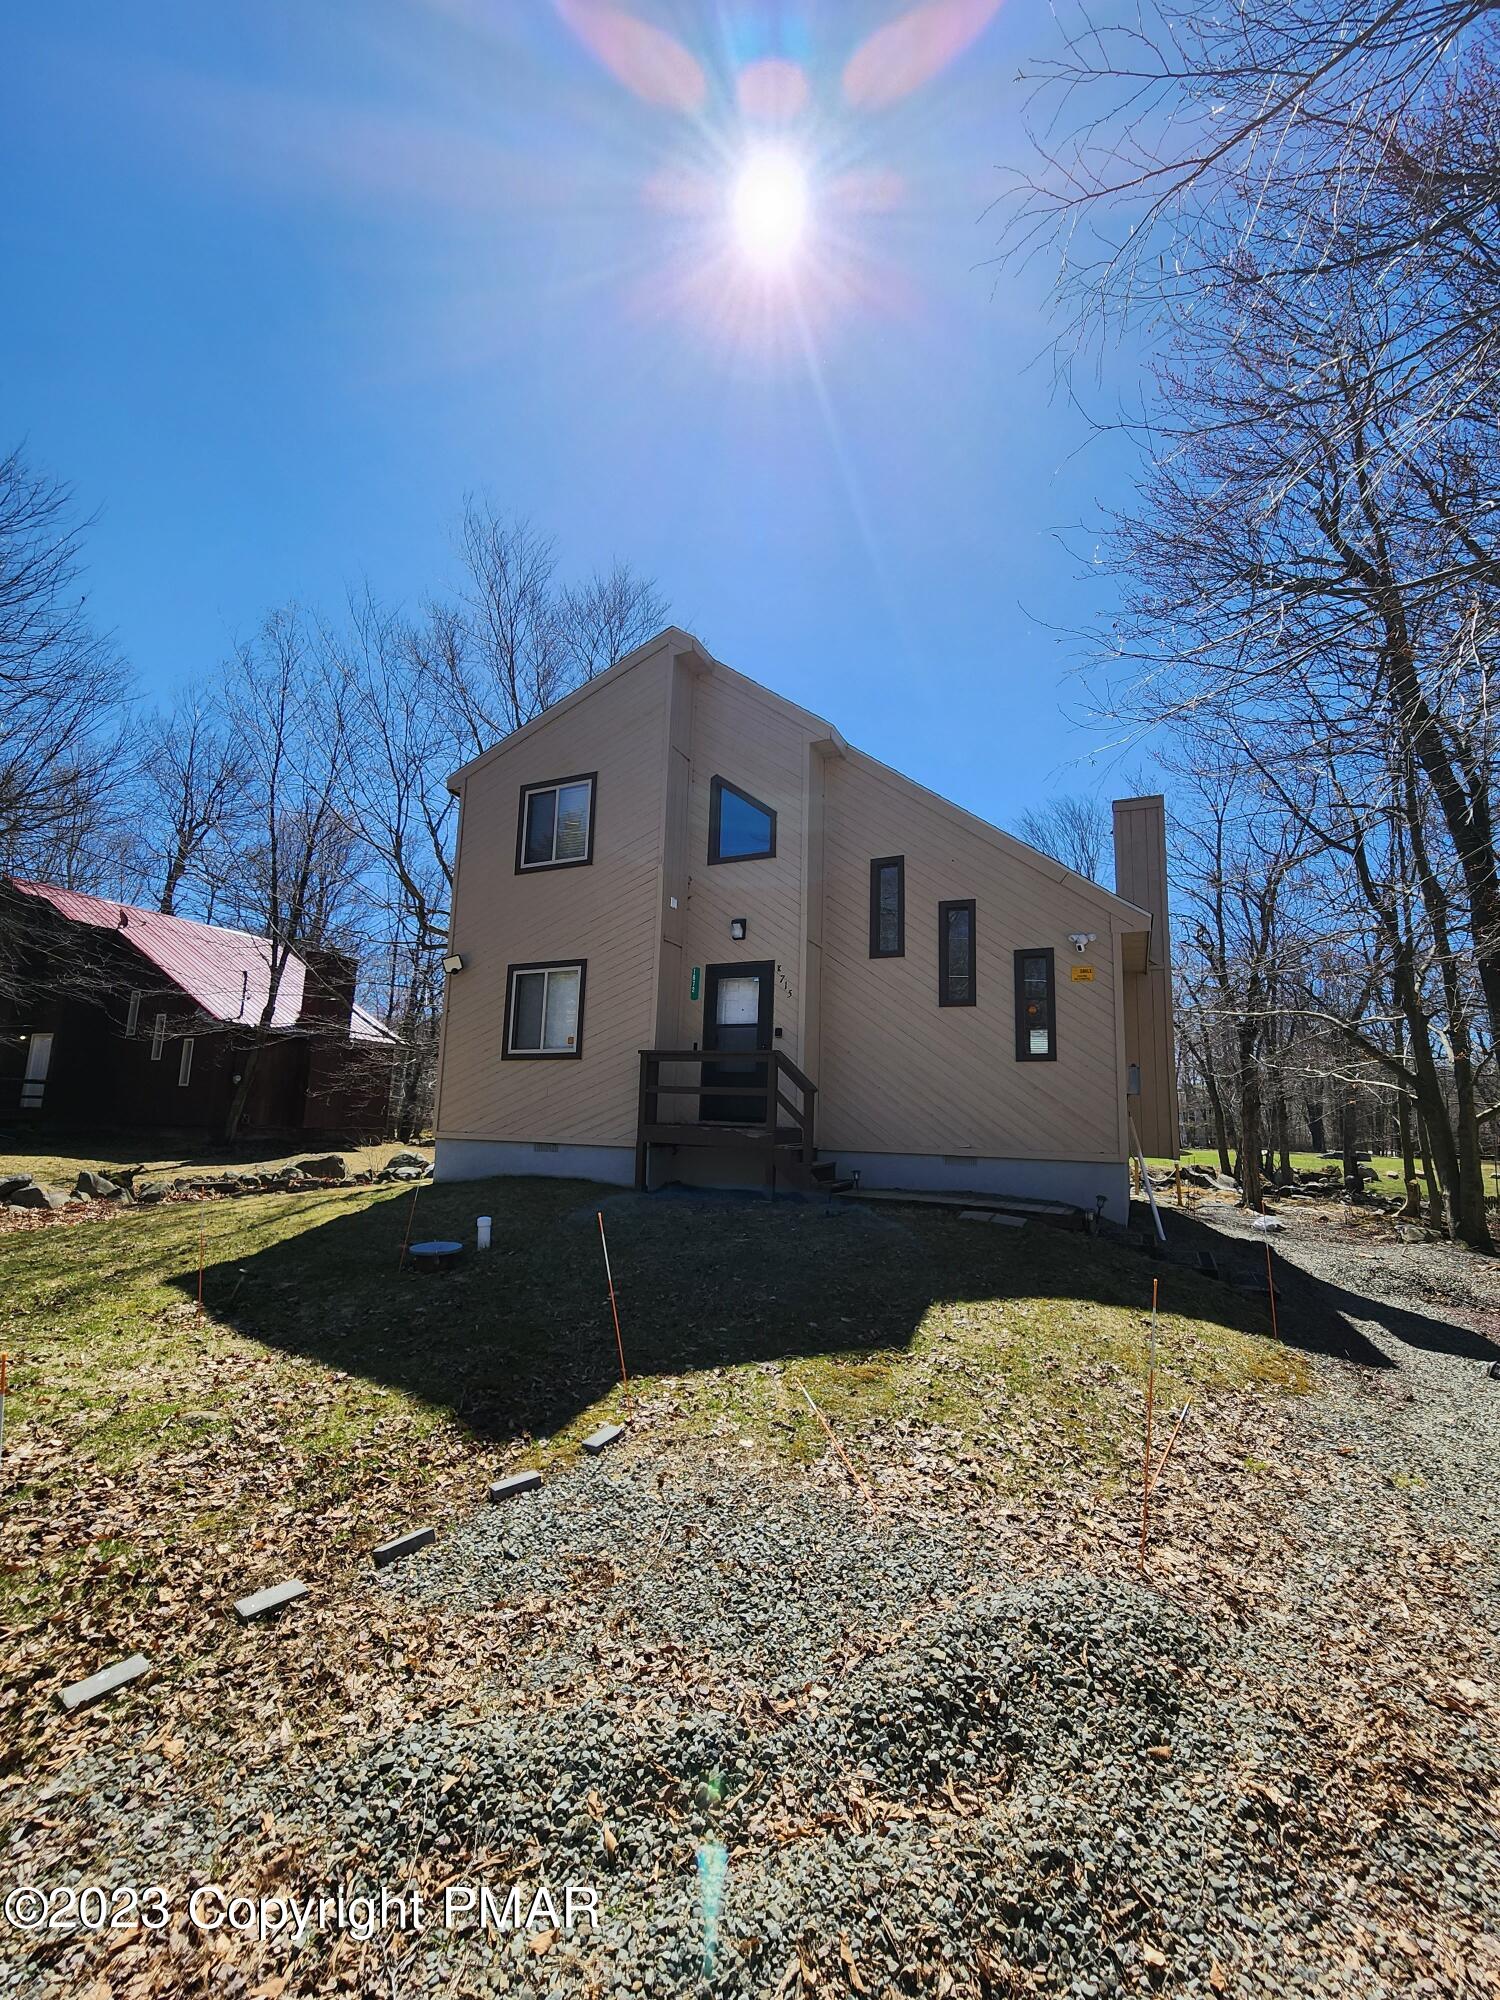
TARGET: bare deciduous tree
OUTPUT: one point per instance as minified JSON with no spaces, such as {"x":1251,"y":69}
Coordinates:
{"x":60,"y":682}
{"x":1075,"y":829}
{"x":291,"y":706}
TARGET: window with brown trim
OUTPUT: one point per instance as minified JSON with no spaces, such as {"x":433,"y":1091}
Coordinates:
{"x":888,"y":907}
{"x":740,"y":828}
{"x":956,"y":974}
{"x":544,"y":1010}
{"x":1036,"y":1006}
{"x":556,"y":827}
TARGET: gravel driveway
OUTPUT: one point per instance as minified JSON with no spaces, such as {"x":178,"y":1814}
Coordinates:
{"x":805,"y":1740}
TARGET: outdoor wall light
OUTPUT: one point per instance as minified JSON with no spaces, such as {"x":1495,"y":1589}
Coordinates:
{"x":453,"y":962}
{"x":737,"y":928}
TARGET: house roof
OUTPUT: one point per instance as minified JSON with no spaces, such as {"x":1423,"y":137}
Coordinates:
{"x":228,"y":973}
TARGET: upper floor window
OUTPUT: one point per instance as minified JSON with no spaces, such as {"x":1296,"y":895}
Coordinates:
{"x":133,"y":1012}
{"x":888,"y":907}
{"x":544,"y":1009}
{"x":1036,"y":1007}
{"x":158,"y":1036}
{"x":956,"y":984}
{"x":185,"y":1063}
{"x":740,"y":828}
{"x":557,"y":824}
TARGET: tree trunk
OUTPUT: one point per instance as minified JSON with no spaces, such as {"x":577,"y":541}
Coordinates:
{"x":1403,"y":1131}
{"x":1354,"y":1177}
{"x":1221,"y":1124}
{"x":249,"y":1063}
{"x":1248,"y":1173}
{"x":1317,"y":1130}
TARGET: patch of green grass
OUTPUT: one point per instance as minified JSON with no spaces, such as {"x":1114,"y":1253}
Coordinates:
{"x":1384,"y":1164}
{"x":327,"y":1394}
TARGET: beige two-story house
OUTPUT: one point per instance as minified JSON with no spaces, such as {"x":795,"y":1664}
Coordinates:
{"x":697,"y":936}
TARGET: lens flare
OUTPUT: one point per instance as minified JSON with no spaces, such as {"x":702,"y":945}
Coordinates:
{"x":769,"y":208}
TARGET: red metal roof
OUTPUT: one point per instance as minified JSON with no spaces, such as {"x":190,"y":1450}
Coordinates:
{"x":228,"y":973}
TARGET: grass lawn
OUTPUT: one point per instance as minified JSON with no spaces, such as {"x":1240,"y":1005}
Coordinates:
{"x":59,"y":1158}
{"x":1384,"y":1164}
{"x":157,"y":1465}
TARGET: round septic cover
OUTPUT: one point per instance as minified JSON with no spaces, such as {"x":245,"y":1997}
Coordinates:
{"x":436,"y":1252}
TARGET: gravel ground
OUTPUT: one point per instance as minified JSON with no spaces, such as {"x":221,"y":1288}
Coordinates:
{"x":804,"y":1740}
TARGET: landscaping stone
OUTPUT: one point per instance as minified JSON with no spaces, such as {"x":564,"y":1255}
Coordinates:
{"x":418,"y":1160}
{"x":261,"y":1603}
{"x":33,"y":1195}
{"x":10,"y":1183}
{"x":150,"y":1192}
{"x":328,"y":1167}
{"x":97,"y":1187}
{"x":514,"y":1483}
{"x":603,"y":1438}
{"x":404,"y":1174}
{"x":403,"y":1545}
{"x":106,"y":1681}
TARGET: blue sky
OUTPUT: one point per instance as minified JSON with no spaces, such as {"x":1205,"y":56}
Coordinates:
{"x":283,"y":281}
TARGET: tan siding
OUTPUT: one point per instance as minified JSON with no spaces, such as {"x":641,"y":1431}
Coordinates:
{"x":740,"y":734}
{"x":1141,"y":877}
{"x":606,"y":913}
{"x":898,"y":1073}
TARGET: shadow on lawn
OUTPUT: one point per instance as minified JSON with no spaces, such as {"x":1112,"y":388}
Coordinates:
{"x":520,"y":1340}
{"x":1321,"y":1317}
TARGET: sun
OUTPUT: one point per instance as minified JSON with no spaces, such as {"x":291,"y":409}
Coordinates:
{"x":768,"y":207}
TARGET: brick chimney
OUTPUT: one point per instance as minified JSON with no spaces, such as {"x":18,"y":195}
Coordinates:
{"x":327,"y":988}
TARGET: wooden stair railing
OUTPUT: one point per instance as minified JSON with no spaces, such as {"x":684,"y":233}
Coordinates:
{"x":796,"y":1139}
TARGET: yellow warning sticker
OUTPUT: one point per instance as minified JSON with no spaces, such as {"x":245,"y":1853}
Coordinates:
{"x":1083,"y":972}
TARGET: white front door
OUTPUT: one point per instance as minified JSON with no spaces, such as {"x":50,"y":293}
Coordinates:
{"x":38,"y":1062}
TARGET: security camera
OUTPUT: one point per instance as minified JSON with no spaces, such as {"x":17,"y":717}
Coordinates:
{"x":1081,"y":940}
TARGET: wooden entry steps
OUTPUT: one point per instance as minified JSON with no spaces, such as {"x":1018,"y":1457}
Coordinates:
{"x":1056,"y":1214}
{"x":782,"y":1144}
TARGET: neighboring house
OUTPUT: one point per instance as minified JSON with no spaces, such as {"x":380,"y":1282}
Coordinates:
{"x":675,"y":866}
{"x":116,"y":1016}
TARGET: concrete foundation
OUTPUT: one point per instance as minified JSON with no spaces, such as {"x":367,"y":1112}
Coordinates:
{"x":1080,"y":1182}
{"x":493,"y":1159}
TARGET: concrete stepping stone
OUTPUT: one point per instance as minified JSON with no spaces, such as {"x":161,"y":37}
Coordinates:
{"x":403,"y":1545}
{"x":603,"y":1438}
{"x":261,"y":1603}
{"x":992,"y":1215}
{"x":106,"y":1681}
{"x":514,"y":1483}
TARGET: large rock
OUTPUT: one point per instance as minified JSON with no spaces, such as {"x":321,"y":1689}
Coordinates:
{"x":151,"y":1191}
{"x":330,"y":1167}
{"x":98,"y":1187}
{"x":395,"y":1173}
{"x":9,"y":1183}
{"x":408,"y":1160}
{"x":32,"y":1196}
